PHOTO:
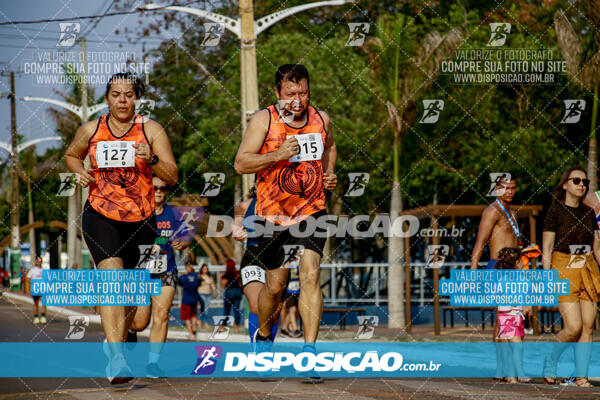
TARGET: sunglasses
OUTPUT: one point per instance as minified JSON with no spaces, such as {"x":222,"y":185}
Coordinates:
{"x":577,"y":181}
{"x":161,"y":188}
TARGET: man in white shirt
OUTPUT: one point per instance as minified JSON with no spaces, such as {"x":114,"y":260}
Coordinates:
{"x":36,"y":273}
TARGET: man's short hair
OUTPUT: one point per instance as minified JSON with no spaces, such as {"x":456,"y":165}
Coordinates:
{"x":291,"y":72}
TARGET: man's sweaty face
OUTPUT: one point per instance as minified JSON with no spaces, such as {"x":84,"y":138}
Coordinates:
{"x":293,"y":97}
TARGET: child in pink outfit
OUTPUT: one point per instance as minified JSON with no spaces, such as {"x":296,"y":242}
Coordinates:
{"x":510,"y":323}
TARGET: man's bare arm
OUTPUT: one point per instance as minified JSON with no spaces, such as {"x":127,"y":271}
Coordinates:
{"x":488,"y":220}
{"x":329,"y":157}
{"x":248,"y":160}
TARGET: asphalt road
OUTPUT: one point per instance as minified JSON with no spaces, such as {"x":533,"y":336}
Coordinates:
{"x":16,"y":326}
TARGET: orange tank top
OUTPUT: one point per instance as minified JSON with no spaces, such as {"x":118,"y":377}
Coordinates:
{"x":120,"y":193}
{"x":288,"y":192}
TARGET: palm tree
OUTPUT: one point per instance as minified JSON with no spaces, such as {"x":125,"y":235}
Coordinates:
{"x":581,"y":53}
{"x":404,"y":69}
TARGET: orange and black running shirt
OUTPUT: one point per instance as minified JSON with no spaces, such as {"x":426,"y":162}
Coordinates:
{"x":123,"y":189}
{"x":287,"y":192}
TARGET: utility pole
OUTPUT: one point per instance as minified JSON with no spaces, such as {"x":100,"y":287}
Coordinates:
{"x":83,"y":253}
{"x":15,"y":245}
{"x":249,"y":77}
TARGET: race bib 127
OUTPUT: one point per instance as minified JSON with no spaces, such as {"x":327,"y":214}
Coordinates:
{"x":115,"y":154}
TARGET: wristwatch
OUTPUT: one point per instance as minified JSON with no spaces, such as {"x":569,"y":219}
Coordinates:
{"x":154,"y":160}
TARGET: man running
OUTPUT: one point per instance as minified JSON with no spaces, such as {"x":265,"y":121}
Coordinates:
{"x":163,"y":267}
{"x":252,"y":272}
{"x":118,"y":216}
{"x":499,"y":229}
{"x":36,"y":273}
{"x":290,"y":147}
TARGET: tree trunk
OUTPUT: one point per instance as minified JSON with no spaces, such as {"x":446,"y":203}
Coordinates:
{"x":238,"y":249}
{"x":396,"y":317}
{"x":592,"y":166}
{"x":330,"y":249}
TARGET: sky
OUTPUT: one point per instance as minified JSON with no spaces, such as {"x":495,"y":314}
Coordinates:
{"x":37,"y":50}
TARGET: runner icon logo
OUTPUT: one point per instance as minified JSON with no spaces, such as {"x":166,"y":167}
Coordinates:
{"x":68,"y":182}
{"x":366,"y":327}
{"x":213,"y":183}
{"x":212,"y":34}
{"x":498,"y":185}
{"x":69,"y":31}
{"x":573,"y":110}
{"x":579,"y":254}
{"x":431,"y":111}
{"x":499,"y":33}
{"x":222,"y":324}
{"x":436,"y":255}
{"x":358,"y":183}
{"x":291,"y":253}
{"x":358,"y":33}
{"x":144,"y":108}
{"x":190,"y":218}
{"x":77,"y":325}
{"x":207,"y":359}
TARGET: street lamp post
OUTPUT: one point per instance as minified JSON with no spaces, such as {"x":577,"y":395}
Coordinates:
{"x":247,"y":29}
{"x":13,"y":150}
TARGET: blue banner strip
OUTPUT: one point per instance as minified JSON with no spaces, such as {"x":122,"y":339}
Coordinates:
{"x":339,"y":359}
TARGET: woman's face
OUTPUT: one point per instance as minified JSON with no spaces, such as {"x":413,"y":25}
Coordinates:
{"x":204,"y":270}
{"x":121,"y":100}
{"x":575,"y":186}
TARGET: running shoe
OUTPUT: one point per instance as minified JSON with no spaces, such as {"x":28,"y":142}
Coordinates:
{"x":528,"y":331}
{"x":568,"y":382}
{"x":309,"y":376}
{"x":153,"y":371}
{"x":43,"y":320}
{"x":36,"y":320}
{"x":131,"y":336}
{"x":117,"y":370}
{"x":297,"y":333}
{"x":285,"y":332}
{"x":261,"y":346}
{"x":131,"y":339}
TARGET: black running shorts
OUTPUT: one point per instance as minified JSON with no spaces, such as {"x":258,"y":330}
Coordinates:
{"x":106,"y":237}
{"x":270,"y":250}
{"x":251,"y":267}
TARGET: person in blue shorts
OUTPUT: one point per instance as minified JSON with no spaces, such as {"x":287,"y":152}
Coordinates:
{"x":160,"y":260}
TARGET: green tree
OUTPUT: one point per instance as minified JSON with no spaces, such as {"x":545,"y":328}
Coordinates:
{"x":404,"y":67}
{"x":581,"y":52}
